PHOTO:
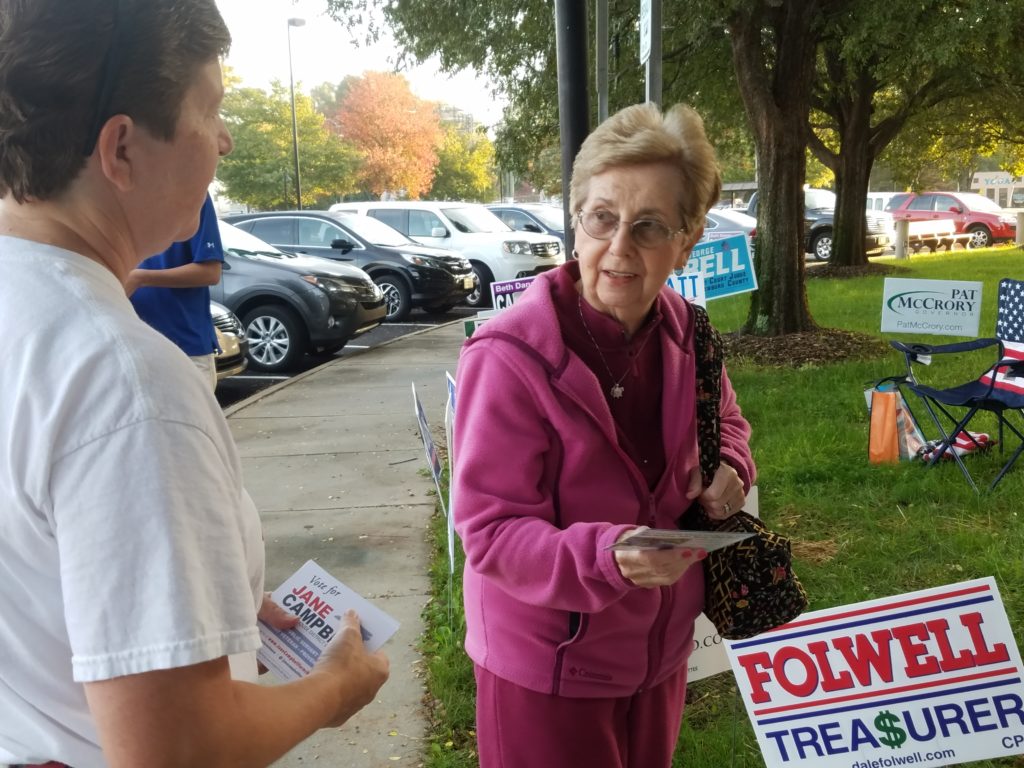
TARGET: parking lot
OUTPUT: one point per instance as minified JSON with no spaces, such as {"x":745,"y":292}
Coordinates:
{"x":236,"y":388}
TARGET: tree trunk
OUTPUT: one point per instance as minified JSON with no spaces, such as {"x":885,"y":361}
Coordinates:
{"x":853,"y":169}
{"x":848,"y":242}
{"x":777,"y":102}
{"x":779,"y":305}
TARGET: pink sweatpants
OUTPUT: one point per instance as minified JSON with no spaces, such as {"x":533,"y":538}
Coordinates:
{"x":520,"y":728}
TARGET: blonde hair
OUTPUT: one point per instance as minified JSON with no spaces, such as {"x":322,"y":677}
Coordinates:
{"x":641,"y":134}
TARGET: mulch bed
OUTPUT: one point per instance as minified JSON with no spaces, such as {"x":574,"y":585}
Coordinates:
{"x":817,"y":347}
{"x":795,"y":350}
{"x":863,"y":270}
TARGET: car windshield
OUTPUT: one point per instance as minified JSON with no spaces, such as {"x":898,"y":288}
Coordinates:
{"x":373,"y":230}
{"x":241,"y":243}
{"x":550,"y":215}
{"x":819,"y":198}
{"x":473,"y":219}
{"x":980,"y":203}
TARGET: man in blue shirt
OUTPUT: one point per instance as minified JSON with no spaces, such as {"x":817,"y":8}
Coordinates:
{"x":171,"y":292}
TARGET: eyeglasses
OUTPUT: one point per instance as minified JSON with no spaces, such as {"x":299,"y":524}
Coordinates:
{"x":647,"y":233}
{"x":105,"y":88}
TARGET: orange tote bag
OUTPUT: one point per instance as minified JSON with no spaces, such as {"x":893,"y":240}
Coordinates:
{"x":883,"y":438}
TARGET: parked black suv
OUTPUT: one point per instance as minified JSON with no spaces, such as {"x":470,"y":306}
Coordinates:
{"x":409,"y":274}
{"x":819,"y":221}
{"x":291,"y":305}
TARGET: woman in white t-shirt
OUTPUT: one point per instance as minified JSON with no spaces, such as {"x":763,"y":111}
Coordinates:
{"x":131,"y":560}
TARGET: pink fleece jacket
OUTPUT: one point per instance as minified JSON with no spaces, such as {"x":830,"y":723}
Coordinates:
{"x":542,"y":487}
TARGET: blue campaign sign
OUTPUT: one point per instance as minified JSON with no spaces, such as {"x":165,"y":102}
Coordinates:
{"x":725,"y":265}
{"x":689,"y":285}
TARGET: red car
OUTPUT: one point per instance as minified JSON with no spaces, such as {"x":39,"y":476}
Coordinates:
{"x":986,"y":221}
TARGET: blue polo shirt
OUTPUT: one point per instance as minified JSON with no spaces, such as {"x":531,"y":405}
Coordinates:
{"x":183,"y":314}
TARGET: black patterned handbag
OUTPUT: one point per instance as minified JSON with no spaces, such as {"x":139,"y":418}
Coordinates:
{"x":749,"y":587}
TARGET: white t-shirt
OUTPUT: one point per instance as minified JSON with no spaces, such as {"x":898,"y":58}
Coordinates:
{"x":127,"y":542}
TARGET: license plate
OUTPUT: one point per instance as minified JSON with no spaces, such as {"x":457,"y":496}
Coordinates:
{"x":467,"y":282}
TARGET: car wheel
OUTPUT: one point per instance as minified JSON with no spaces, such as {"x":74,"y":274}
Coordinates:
{"x":276,"y":338}
{"x":396,"y":298}
{"x":441,"y":309}
{"x":821,"y":246}
{"x":481,"y":295}
{"x":980,"y":237}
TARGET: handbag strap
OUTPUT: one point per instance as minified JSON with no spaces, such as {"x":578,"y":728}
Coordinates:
{"x":709,"y":356}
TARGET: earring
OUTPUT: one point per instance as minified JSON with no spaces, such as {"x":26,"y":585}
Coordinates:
{"x":575,"y":255}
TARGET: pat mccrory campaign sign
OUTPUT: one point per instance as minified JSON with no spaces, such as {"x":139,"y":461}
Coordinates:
{"x":928,"y":678}
{"x":940,"y":307}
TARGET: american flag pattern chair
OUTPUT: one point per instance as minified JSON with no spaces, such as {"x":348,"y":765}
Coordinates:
{"x":999,"y":390}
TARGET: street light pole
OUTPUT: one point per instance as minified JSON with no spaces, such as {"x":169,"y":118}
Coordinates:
{"x":294,"y":22}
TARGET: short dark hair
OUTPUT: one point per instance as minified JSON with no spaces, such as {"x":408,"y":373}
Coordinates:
{"x":67,"y":67}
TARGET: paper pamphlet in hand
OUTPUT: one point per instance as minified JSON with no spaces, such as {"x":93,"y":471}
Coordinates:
{"x":320,"y":602}
{"x":658,"y":538}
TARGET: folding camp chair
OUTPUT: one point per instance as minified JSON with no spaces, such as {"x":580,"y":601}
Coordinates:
{"x":999,"y":390}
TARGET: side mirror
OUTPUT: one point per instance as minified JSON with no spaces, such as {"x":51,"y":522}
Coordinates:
{"x":531,"y":227}
{"x":956,"y":209}
{"x":438,"y":232}
{"x":342,"y":245}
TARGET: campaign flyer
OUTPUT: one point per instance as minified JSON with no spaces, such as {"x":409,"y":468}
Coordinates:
{"x":657,"y":538}
{"x":320,"y":602}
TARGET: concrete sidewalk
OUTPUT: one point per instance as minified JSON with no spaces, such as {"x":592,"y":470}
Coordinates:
{"x":334,"y":462}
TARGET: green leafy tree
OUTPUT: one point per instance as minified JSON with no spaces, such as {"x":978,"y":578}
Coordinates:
{"x":327,"y":97}
{"x":465,"y":167}
{"x":773,"y":52}
{"x":513,"y":41}
{"x":876,"y":80}
{"x":259,"y":171}
{"x":944,"y":146}
{"x":753,"y":67}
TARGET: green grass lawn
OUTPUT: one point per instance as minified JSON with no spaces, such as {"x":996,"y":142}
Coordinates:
{"x":860,"y":531}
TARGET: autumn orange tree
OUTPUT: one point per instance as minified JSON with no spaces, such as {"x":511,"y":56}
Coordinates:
{"x":397,"y":133}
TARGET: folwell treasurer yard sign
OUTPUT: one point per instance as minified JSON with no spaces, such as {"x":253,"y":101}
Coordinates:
{"x":928,"y":678}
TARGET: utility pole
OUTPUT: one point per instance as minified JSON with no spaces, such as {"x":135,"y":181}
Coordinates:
{"x":573,"y":104}
{"x":295,"y":125}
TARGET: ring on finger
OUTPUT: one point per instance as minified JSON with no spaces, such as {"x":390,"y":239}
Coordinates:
{"x":728,"y":508}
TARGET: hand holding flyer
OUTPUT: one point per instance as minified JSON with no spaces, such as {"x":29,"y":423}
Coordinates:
{"x":319,"y":601}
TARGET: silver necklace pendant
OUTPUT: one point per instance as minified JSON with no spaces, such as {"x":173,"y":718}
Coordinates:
{"x":617,"y":391}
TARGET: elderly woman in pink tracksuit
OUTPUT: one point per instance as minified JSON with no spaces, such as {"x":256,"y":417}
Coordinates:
{"x":576,"y":427}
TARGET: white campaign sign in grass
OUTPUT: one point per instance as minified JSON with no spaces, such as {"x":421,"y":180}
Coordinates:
{"x":939,"y":307}
{"x":927,"y":678}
